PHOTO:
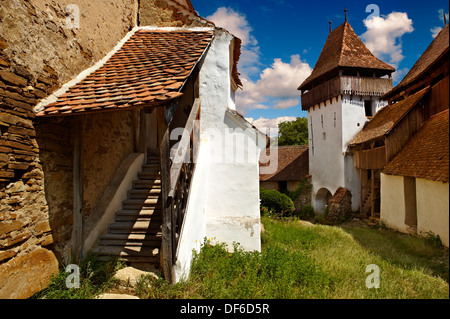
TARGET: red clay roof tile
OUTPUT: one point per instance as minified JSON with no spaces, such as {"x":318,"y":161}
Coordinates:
{"x":344,"y":49}
{"x":427,"y":154}
{"x":151,"y":66}
{"x":293,"y":164}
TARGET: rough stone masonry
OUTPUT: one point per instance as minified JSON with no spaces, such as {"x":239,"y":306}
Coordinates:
{"x":40,"y":51}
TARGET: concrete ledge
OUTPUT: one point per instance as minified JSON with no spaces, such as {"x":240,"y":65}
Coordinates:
{"x":111,"y":201}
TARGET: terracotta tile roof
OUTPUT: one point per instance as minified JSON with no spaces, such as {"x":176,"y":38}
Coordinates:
{"x":385,"y":119}
{"x":150,"y":68}
{"x":344,"y":49}
{"x":427,"y":154}
{"x":293,"y":164}
{"x":437,"y":49}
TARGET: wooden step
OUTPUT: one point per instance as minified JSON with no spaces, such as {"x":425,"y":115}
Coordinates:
{"x":139,"y":226}
{"x":130,"y":240}
{"x":152,"y":201}
{"x":123,"y":242}
{"x":127,"y":251}
{"x":144,"y":193}
{"x":131,"y":237}
{"x":145,"y":212}
{"x":149,"y":176}
{"x":156,"y":217}
{"x":147,"y":184}
{"x":152,"y":159}
{"x":152,"y":166}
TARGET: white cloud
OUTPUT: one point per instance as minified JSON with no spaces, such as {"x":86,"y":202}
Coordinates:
{"x":383,"y":36}
{"x":237,"y":24}
{"x":435,"y":31}
{"x":277,"y":86}
{"x":270,"y":126}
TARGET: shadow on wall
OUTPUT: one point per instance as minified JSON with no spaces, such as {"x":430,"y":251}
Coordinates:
{"x":322,"y":198}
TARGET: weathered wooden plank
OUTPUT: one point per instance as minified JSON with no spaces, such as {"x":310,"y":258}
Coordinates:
{"x":77,"y":227}
{"x":184,"y":146}
{"x":164,"y":141}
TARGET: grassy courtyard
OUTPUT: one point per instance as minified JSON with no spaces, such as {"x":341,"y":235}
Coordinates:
{"x":298,"y":261}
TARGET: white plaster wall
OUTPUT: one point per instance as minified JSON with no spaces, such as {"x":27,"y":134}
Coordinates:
{"x":326,"y":161}
{"x":194,"y":227}
{"x":215,"y":83}
{"x":224,"y":203}
{"x":233,"y":204}
{"x":330,"y":164}
{"x":353,"y":118}
{"x":433,"y":208}
{"x":393,"y":202}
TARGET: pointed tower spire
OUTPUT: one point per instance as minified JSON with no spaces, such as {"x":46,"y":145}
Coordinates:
{"x":345,"y":10}
{"x":445,"y":18}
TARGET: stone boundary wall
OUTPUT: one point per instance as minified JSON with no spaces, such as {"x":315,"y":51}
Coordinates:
{"x":40,"y":51}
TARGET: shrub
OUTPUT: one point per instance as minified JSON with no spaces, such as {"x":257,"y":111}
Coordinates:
{"x":274,"y":200}
{"x":303,"y":188}
{"x":306,"y":212}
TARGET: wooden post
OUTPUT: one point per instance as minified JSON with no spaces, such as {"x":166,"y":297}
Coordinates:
{"x":164,"y":149}
{"x":372,"y":195}
{"x":361,"y":191}
{"x":77,"y":227}
{"x":142,"y":133}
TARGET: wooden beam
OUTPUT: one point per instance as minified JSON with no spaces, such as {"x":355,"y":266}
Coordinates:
{"x":372,"y":195}
{"x":77,"y":227}
{"x":184,"y":146}
{"x":167,"y":240}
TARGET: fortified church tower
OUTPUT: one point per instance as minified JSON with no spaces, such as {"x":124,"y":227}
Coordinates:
{"x":341,"y":95}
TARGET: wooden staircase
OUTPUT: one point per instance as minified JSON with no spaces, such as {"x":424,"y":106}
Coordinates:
{"x":135,"y":235}
{"x":366,"y":203}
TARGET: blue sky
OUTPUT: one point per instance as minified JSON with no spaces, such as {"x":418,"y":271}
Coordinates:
{"x":282,"y":40}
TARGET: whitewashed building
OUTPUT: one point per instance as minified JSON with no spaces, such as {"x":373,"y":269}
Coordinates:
{"x":341,"y":96}
{"x":193,"y":170}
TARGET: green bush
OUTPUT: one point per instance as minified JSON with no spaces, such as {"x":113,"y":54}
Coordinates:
{"x":303,"y":188}
{"x":276,"y":201}
{"x":306,"y":212}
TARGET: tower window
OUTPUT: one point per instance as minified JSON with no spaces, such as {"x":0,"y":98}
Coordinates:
{"x":368,"y":108}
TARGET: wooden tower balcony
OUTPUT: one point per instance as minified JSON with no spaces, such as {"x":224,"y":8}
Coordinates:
{"x":344,"y":84}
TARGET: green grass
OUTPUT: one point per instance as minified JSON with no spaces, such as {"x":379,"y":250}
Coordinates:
{"x":297,"y":261}
{"x":344,"y":253}
{"x":95,"y":278}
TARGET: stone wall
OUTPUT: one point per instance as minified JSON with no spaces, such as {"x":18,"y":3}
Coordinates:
{"x":339,"y":206}
{"x":40,"y":51}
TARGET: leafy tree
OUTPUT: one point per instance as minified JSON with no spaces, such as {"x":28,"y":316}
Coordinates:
{"x":293,"y":133}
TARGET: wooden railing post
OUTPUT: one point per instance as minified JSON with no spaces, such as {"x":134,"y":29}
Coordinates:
{"x":164,"y":151}
{"x":175,"y":184}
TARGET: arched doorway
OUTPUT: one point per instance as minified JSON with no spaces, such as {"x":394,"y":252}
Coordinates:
{"x":322,"y":198}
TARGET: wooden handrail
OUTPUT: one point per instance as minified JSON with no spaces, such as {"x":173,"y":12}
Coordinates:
{"x":176,"y":183}
{"x":184,"y":146}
